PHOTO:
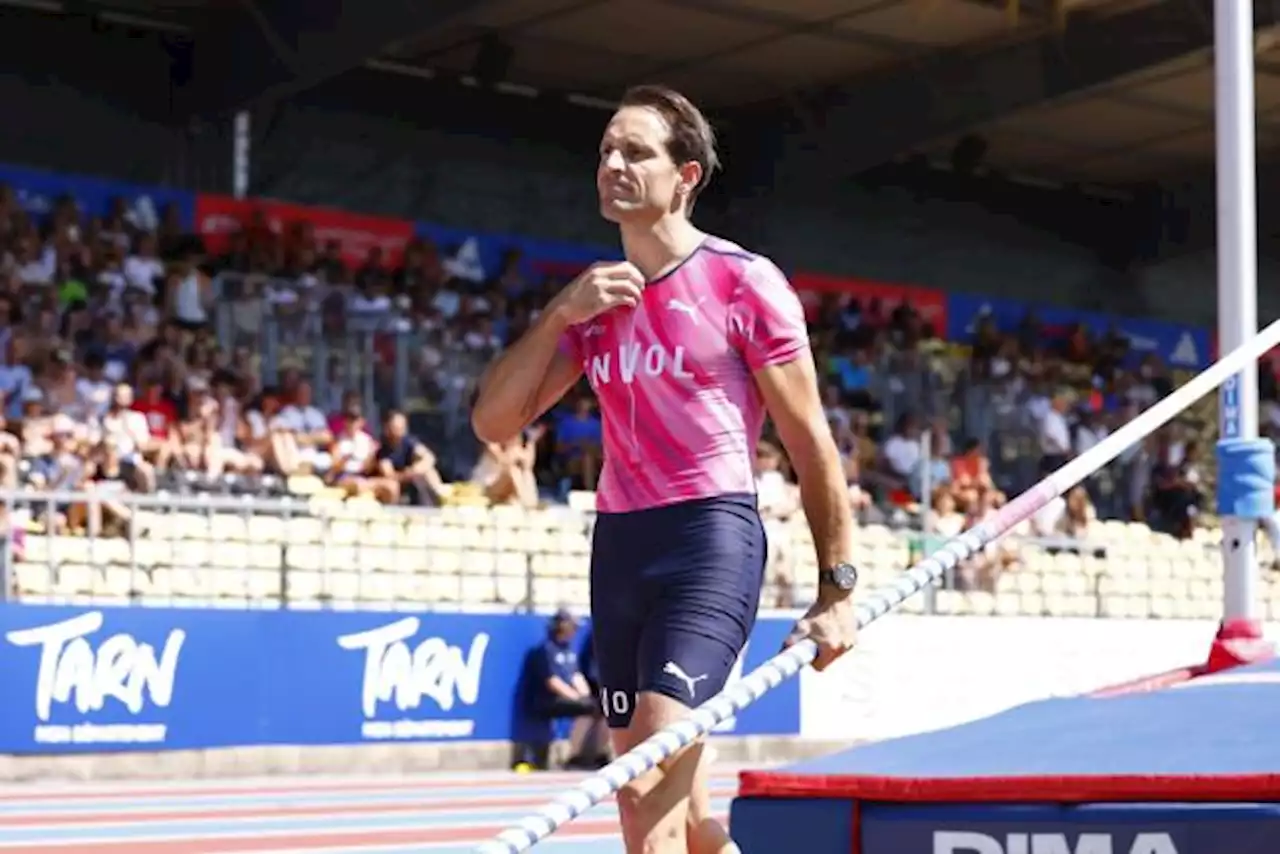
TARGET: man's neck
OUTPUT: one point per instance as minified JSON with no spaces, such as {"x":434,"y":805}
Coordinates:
{"x":655,"y":249}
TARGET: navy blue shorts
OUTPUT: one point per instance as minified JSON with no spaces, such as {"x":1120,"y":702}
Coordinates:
{"x":674,"y":594}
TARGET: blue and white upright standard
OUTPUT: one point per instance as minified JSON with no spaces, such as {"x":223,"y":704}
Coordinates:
{"x":1246,"y":463}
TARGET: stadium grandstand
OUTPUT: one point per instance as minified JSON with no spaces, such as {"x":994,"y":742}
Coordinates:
{"x":254,"y":257}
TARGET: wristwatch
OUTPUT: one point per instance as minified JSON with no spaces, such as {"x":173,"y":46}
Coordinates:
{"x":842,"y":576}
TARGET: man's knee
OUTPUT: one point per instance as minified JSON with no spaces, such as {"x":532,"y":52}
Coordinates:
{"x":653,"y":711}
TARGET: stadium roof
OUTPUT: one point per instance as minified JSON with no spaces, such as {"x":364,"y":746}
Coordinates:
{"x":1105,"y":90}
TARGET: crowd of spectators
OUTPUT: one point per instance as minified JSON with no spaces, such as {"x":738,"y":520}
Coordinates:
{"x":115,"y":376}
{"x":113,"y":379}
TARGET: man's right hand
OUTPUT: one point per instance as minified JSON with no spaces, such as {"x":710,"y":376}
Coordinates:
{"x":601,"y":287}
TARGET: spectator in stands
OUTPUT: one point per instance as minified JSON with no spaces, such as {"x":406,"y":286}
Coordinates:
{"x":938,"y":462}
{"x":10,"y":455}
{"x":900,"y":457}
{"x":1079,"y":515}
{"x":310,"y":430}
{"x":353,"y":453}
{"x":105,"y":478}
{"x":161,"y":416}
{"x":855,"y":374}
{"x":983,"y":570}
{"x":15,"y":374}
{"x":778,"y":501}
{"x":853,"y":449}
{"x":971,"y":473}
{"x":128,"y":436}
{"x":946,"y":520}
{"x":1175,"y":492}
{"x":196,"y":435}
{"x":58,"y":466}
{"x":188,"y":297}
{"x":405,"y":468}
{"x":578,"y":443}
{"x":1090,"y":429}
{"x":1055,"y":433}
{"x":349,"y":408}
{"x":268,"y":436}
{"x":506,"y":471}
{"x":557,"y":689}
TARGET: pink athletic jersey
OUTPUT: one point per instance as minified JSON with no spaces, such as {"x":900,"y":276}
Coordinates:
{"x":680,"y":409}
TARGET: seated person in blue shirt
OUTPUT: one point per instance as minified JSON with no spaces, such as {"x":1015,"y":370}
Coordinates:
{"x":558,"y":689}
{"x":579,"y":437}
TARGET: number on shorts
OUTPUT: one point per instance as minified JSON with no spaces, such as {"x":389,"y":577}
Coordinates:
{"x":617,"y":702}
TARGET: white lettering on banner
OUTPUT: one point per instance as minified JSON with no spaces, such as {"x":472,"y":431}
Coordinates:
{"x":967,"y":842}
{"x":1142,"y":343}
{"x":214,"y":224}
{"x":912,"y":674}
{"x":432,"y":669}
{"x":653,"y":361}
{"x":407,"y":729}
{"x":121,"y":669}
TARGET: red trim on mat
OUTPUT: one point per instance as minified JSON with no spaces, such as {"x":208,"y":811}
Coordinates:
{"x":1152,"y":683}
{"x":1063,"y":789}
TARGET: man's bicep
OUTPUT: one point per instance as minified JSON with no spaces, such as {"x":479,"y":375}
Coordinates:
{"x":790,"y":393}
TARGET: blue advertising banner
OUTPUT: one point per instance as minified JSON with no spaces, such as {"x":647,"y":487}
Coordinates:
{"x":1180,"y":346}
{"x":114,"y":679}
{"x":37,"y":191}
{"x":476,"y":257}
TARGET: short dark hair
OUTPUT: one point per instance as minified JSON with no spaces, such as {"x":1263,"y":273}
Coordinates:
{"x":692,"y":137}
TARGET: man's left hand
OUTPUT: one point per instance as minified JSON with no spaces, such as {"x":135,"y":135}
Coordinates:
{"x":832,"y":625}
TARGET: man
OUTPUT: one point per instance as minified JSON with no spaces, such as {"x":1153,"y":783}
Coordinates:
{"x":686,"y":344}
{"x":1055,"y":433}
{"x":558,"y":689}
{"x":404,"y":467}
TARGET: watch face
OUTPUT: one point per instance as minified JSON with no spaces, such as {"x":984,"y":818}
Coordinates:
{"x":845,"y":576}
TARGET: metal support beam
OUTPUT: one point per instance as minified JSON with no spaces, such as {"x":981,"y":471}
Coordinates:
{"x":868,"y":122}
{"x":275,"y":49}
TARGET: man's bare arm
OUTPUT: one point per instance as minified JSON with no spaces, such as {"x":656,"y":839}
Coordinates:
{"x":790,"y":392}
{"x":524,"y":381}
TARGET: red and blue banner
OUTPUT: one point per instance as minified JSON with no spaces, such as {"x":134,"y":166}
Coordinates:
{"x":930,"y":303}
{"x":218,"y":217}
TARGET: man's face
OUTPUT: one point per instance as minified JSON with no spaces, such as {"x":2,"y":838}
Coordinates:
{"x":565,"y":630}
{"x":636,"y":178}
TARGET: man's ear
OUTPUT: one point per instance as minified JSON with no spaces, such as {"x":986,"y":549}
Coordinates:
{"x":690,"y":177}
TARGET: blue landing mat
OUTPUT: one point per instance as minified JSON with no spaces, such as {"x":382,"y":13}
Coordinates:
{"x":1191,"y":769}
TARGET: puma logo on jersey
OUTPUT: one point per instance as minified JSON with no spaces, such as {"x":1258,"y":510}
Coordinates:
{"x":680,"y":305}
{"x":673,"y":669}
{"x":593,"y":330}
